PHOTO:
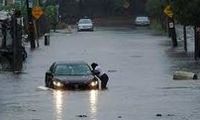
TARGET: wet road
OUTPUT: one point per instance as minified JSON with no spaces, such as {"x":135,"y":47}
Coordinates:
{"x":140,"y":66}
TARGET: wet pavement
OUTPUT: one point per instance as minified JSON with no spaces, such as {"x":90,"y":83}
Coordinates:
{"x":140,"y":65}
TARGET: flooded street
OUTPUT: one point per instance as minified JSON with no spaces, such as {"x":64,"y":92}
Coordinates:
{"x":140,"y":65}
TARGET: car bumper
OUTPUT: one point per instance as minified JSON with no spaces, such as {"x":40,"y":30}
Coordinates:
{"x":85,"y":28}
{"x":142,"y":24}
{"x":74,"y":86}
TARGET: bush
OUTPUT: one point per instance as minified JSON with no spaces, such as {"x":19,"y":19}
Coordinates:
{"x":157,"y":26}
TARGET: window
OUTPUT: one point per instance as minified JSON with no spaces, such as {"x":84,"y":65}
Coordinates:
{"x":72,"y":69}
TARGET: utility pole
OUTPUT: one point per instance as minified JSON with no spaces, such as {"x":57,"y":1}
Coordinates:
{"x":16,"y":41}
{"x":197,"y":43}
{"x":171,"y":25}
{"x":172,"y":31}
{"x":30,"y":26}
{"x":185,"y":38}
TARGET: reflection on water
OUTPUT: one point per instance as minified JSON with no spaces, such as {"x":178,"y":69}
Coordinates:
{"x":58,"y":97}
{"x":58,"y":101}
{"x":93,"y":102}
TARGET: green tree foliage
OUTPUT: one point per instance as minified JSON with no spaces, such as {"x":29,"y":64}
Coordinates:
{"x":69,"y":10}
{"x":117,"y":7}
{"x":17,"y":6}
{"x":51,"y":13}
{"x":91,"y":8}
{"x":50,"y":2}
{"x":10,"y":7}
{"x":187,"y":12}
{"x":153,"y":8}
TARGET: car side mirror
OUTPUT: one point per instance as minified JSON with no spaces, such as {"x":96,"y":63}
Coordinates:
{"x":95,"y":72}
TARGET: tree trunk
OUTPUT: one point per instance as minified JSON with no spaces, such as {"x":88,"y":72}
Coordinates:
{"x":197,"y":43}
{"x":185,"y":38}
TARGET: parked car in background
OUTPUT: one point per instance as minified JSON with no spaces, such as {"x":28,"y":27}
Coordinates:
{"x":85,"y":24}
{"x":142,"y":21}
{"x":71,"y":75}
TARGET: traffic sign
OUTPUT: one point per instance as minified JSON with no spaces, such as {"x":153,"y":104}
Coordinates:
{"x":37,"y":12}
{"x":168,"y":11}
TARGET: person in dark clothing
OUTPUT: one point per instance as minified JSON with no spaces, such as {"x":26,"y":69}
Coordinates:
{"x":101,"y":74}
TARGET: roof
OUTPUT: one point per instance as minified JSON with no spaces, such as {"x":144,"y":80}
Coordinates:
{"x":71,"y":62}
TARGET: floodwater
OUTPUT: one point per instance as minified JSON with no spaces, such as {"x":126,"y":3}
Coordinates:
{"x":139,"y":63}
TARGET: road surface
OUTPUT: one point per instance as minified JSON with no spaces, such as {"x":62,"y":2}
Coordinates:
{"x":140,"y":65}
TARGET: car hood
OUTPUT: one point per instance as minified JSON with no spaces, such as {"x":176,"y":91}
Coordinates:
{"x":74,"y":79}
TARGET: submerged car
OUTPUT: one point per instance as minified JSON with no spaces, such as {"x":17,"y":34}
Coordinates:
{"x":85,"y":24}
{"x":71,"y":75}
{"x":142,"y":21}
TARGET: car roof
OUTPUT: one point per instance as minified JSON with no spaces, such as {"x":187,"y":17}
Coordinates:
{"x":142,"y":17}
{"x":71,"y":62}
{"x":85,"y":19}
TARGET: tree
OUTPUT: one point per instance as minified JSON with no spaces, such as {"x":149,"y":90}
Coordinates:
{"x":153,"y":8}
{"x":187,"y":12}
{"x":117,"y":7}
{"x":51,"y":13}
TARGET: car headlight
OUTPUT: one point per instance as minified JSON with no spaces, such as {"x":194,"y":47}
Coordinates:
{"x":58,"y":84}
{"x":94,"y":83}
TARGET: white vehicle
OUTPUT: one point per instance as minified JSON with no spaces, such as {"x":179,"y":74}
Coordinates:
{"x":142,"y":21}
{"x":85,"y":24}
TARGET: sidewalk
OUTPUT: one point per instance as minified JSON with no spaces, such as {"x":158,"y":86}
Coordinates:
{"x":181,"y":60}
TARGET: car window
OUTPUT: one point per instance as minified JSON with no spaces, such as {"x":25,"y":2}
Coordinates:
{"x":72,"y":69}
{"x":141,"y":18}
{"x":81,"y":21}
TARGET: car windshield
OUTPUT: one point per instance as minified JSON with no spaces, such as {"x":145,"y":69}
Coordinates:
{"x":84,"y":21}
{"x":72,"y":69}
{"x":142,"y":18}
